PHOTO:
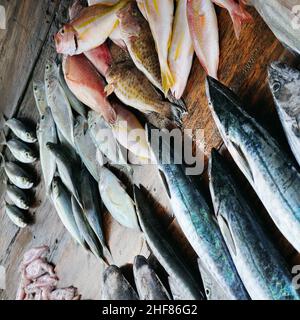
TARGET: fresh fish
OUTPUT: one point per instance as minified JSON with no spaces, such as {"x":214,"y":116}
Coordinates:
{"x":148,"y":284}
{"x":88,"y":30}
{"x":284,"y":82}
{"x":85,"y":229}
{"x":134,"y":89}
{"x":101,"y":58}
{"x":67,"y":168}
{"x":78,"y":106}
{"x":103,"y":137}
{"x":92,"y":207}
{"x":18,"y":176}
{"x":167,"y":254}
{"x":196,"y":220}
{"x":40,"y":96}
{"x":204,"y":31}
{"x":19,"y":217}
{"x":115,"y":286}
{"x":181,"y":50}
{"x":137,"y":36}
{"x":58,"y":102}
{"x":237,"y":12}
{"x":18,"y":197}
{"x":21,"y":130}
{"x":47,"y":133}
{"x":87,"y":85}
{"x":116,"y":199}
{"x":21,"y":151}
{"x":62,"y":202}
{"x":261,"y":267}
{"x":268,"y":169}
{"x":281,"y":17}
{"x":86,"y":147}
{"x":160,"y":16}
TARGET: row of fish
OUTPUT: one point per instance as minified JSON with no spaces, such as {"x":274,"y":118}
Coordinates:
{"x":19,"y":180}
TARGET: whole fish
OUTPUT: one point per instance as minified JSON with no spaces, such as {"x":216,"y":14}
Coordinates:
{"x":137,"y":36}
{"x":62,"y":202}
{"x":134,"y":89}
{"x":282,"y":16}
{"x":149,"y":286}
{"x":88,"y":30}
{"x":86,"y":147}
{"x":85,"y":229}
{"x":116,"y":199}
{"x":21,"y":151}
{"x":67,"y":168}
{"x":18,"y":197}
{"x":261,"y":267}
{"x":100,"y":57}
{"x":160,"y":16}
{"x":21,"y":130}
{"x":115,"y":286}
{"x":18,"y":176}
{"x":284,"y":82}
{"x":237,"y":12}
{"x":103,"y":137}
{"x":181,"y":50}
{"x":47,"y":133}
{"x":19,"y":217}
{"x":92,"y":208}
{"x":164,"y":250}
{"x":196,"y":220}
{"x":77,"y":105}
{"x":268,"y":169}
{"x":204,"y":31}
{"x":87,"y":85}
{"x":58,"y":102}
{"x":40,"y":96}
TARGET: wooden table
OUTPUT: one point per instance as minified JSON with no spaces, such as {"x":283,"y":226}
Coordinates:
{"x":24,"y":48}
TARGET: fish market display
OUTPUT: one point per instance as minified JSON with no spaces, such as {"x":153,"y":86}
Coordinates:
{"x":116,"y":199}
{"x":280,"y":16}
{"x":115,"y":285}
{"x":284,"y":82}
{"x":268,"y":169}
{"x":21,"y":130}
{"x":196,"y":221}
{"x":247,"y":242}
{"x":148,"y":284}
{"x":87,"y":85}
{"x":181,"y":51}
{"x":186,"y":281}
{"x":39,"y":280}
{"x":18,"y":216}
{"x":18,"y":197}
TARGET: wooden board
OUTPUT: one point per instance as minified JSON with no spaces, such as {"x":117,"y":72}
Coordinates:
{"x":24,"y":48}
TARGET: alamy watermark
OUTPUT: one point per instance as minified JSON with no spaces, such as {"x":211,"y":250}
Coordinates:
{"x":296,"y":277}
{"x":296,"y":19}
{"x":2,"y":18}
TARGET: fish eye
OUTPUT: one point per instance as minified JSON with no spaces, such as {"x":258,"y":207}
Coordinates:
{"x":27,"y":154}
{"x":276,"y":86}
{"x":63,"y":31}
{"x":207,"y":291}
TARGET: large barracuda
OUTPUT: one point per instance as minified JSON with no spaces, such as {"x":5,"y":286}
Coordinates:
{"x":268,"y":169}
{"x":186,"y":282}
{"x":281,"y":17}
{"x":197,"y":222}
{"x":260,"y":266}
{"x":285,"y":86}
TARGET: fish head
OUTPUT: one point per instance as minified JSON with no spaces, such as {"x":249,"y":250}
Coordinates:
{"x":66,"y":40}
{"x":284,"y":83}
{"x":130,"y":20}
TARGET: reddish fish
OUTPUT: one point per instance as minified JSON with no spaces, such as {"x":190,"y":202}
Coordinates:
{"x":204,"y":31}
{"x":87,"y":85}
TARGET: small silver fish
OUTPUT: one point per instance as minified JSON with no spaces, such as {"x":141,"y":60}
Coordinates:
{"x":19,"y":217}
{"x":21,"y":151}
{"x":21,"y":130}
{"x":40,"y":96}
{"x":18,"y":176}
{"x":18,"y":197}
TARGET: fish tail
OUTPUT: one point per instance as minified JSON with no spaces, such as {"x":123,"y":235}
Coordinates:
{"x":167,"y":79}
{"x":240,"y":16}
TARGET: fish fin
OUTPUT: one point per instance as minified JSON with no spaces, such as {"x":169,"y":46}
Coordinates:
{"x":109,"y":89}
{"x":239,"y":17}
{"x":167,"y":79}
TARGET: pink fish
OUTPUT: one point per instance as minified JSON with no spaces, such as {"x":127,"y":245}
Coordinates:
{"x":88,"y":85}
{"x":238,"y":14}
{"x":203,"y":25}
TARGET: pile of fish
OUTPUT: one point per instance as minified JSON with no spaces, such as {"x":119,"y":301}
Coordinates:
{"x":19,"y":180}
{"x":39,"y":280}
